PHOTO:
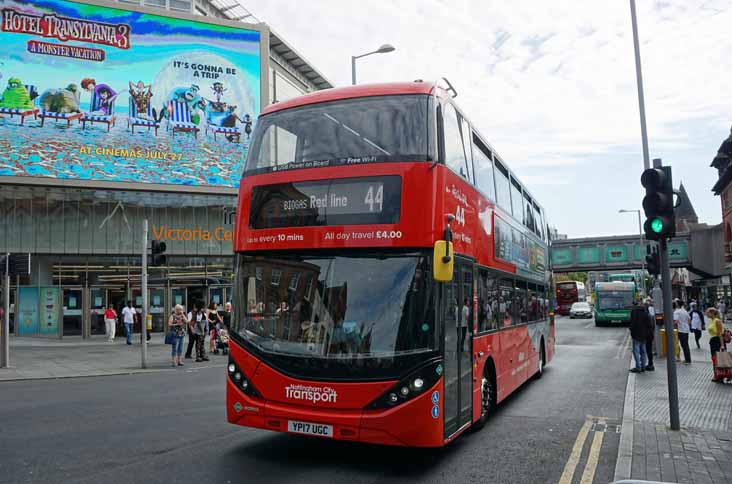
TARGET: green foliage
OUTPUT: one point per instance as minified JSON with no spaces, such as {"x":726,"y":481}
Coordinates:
{"x":571,"y":276}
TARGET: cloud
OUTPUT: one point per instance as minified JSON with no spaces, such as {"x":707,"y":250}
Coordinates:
{"x":550,"y":85}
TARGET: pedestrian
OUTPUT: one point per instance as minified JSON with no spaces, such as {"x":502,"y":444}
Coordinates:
{"x":227,"y":316}
{"x":639,"y":334}
{"x":200,"y":329}
{"x":177,"y":324}
{"x":651,"y":333}
{"x":128,"y":317}
{"x":697,"y":323}
{"x":682,"y":321}
{"x":716,"y":330}
{"x":722,"y":308}
{"x":110,"y":322}
{"x":194,"y":315}
{"x":214,"y":323}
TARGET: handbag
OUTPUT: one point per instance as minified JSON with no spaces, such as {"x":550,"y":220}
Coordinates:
{"x":169,"y":337}
{"x":724,"y":359}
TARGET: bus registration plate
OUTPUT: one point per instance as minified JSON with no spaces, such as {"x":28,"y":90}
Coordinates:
{"x":308,"y":428}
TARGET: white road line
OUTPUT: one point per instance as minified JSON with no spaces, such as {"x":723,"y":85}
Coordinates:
{"x":624,"y":346}
{"x":574,"y":457}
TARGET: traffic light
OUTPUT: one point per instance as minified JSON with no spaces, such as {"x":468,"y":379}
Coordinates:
{"x":658,"y":203}
{"x":157,"y":253}
{"x":653,"y":261}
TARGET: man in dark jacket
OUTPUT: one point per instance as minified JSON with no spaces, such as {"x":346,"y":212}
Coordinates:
{"x":639,"y":332}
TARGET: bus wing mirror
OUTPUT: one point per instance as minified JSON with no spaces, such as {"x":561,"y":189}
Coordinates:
{"x":444,"y":261}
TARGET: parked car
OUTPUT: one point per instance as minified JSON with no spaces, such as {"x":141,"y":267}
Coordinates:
{"x":580,"y":310}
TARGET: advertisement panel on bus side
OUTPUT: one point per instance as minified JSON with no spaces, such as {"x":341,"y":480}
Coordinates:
{"x":91,"y":92}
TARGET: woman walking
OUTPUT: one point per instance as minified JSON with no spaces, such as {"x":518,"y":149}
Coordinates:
{"x":110,"y":322}
{"x":716,"y":329}
{"x":177,"y":324}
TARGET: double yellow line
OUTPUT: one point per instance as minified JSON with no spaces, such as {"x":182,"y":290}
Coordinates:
{"x":574,"y":458}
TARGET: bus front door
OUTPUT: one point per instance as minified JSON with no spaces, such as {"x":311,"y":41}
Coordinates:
{"x":457,"y":303}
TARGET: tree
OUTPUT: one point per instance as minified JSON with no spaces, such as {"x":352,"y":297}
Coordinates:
{"x":571,"y":276}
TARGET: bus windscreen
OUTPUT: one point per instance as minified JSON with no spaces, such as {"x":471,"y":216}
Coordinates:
{"x":350,"y":131}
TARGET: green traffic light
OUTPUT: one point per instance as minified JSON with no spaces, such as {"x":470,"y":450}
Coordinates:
{"x":657,"y":225}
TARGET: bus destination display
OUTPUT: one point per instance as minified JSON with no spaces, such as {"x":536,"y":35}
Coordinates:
{"x":347,"y":201}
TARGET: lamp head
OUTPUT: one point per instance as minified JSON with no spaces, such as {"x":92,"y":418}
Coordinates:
{"x":386,"y":48}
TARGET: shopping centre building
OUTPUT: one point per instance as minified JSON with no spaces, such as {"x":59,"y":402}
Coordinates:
{"x":76,"y":183}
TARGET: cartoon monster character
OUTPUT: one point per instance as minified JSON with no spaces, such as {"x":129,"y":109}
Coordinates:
{"x":16,"y":96}
{"x":64,"y":100}
{"x":247,"y":125}
{"x":218,"y":89}
{"x":105,"y":99}
{"x":140,"y":94}
{"x":190,"y":96}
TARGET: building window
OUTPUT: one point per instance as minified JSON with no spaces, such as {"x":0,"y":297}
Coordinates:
{"x":294,"y":281}
{"x":258,"y":273}
{"x":276,"y":276}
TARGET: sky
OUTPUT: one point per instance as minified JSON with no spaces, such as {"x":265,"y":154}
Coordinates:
{"x":551,"y":85}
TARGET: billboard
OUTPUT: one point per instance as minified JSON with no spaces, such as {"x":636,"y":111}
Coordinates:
{"x":92,"y":92}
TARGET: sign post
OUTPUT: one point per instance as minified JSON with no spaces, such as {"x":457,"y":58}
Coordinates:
{"x":5,"y":337}
{"x":143,"y":315}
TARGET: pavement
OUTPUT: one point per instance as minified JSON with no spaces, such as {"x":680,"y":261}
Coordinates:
{"x":72,"y":356}
{"x":701,"y":452}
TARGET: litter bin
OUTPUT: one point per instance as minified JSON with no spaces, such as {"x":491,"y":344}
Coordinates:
{"x":663,"y":342}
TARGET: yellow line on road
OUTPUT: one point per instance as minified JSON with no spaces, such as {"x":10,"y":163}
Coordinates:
{"x":589,"y":474}
{"x":574,"y":457}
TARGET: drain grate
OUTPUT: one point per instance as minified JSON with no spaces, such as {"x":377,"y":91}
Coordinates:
{"x":609,"y":427}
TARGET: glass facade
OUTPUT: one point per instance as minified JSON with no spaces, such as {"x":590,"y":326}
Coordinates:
{"x":85,"y":254}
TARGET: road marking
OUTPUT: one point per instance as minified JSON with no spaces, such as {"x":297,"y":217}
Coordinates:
{"x":624,"y":346}
{"x":589,"y":325}
{"x":591,"y":466}
{"x":574,"y":457}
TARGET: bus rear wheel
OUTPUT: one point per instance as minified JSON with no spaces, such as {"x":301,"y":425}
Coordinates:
{"x":542,"y":361}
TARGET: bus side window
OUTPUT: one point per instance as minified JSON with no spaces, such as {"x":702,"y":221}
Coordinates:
{"x":505,"y":303}
{"x":488,"y":301}
{"x":455,"y":155}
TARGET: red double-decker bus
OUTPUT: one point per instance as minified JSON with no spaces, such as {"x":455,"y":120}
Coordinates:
{"x":568,"y":293}
{"x":391,"y":280}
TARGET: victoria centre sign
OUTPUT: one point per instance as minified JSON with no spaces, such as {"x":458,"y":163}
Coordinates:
{"x":103,"y":94}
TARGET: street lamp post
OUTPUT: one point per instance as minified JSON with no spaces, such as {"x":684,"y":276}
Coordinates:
{"x":381,"y":50}
{"x":640,"y":239}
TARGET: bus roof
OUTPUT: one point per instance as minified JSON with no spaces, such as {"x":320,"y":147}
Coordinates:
{"x":350,"y":92}
{"x":615,"y":286}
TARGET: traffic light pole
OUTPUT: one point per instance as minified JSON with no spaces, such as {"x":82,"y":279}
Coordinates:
{"x":668,"y":322}
{"x":143,"y":283}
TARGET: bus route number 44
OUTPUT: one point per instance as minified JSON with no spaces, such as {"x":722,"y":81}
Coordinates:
{"x":460,"y":215}
{"x":375,"y":198}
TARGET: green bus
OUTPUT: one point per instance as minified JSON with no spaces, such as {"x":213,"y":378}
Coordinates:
{"x":613,"y":302}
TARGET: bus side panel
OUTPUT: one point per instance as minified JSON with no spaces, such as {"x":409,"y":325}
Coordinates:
{"x":472,"y":228}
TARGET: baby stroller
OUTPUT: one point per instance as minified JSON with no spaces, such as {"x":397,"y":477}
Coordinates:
{"x":222,"y":341}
